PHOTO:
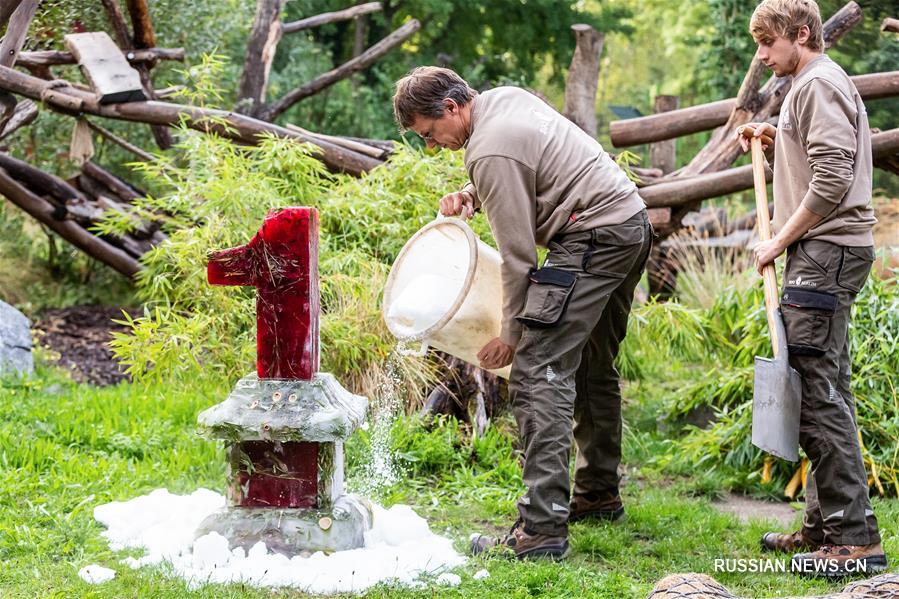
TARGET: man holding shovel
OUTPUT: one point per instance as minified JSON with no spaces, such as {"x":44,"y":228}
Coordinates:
{"x":543,"y":181}
{"x":823,"y":218}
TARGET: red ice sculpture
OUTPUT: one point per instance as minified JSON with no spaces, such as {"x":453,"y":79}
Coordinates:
{"x":281,"y":261}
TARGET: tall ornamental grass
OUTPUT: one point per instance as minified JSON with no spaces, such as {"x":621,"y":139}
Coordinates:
{"x":712,"y":352}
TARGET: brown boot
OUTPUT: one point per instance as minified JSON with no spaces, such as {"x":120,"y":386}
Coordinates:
{"x":603,"y":506}
{"x":789,"y":542}
{"x":835,"y":561}
{"x":522,"y":543}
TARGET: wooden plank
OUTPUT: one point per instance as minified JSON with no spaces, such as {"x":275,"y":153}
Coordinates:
{"x":105,"y":67}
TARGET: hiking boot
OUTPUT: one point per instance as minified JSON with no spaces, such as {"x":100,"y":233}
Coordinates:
{"x":522,"y":543}
{"x":835,"y":561}
{"x":603,"y":506}
{"x":789,"y":542}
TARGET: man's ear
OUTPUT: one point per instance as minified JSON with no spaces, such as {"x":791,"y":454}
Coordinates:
{"x":450,"y":106}
{"x":802,"y":35}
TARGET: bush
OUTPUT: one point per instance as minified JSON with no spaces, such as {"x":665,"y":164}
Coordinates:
{"x":218,"y":198}
{"x":713,"y":351}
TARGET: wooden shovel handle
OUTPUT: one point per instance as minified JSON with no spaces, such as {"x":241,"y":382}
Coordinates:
{"x":747,"y":132}
{"x":764,"y":222}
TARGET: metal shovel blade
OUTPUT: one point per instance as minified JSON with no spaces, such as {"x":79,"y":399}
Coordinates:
{"x":776,"y":401}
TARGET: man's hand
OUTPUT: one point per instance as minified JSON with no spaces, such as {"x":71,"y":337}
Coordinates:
{"x":496,"y":354}
{"x":757,"y":129}
{"x":766,"y":251}
{"x":459,"y":202}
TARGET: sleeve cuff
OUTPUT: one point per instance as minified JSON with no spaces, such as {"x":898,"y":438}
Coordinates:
{"x":510,"y":336}
{"x":818,"y":204}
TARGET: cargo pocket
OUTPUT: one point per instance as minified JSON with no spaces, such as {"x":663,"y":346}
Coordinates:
{"x":854,"y":268}
{"x":807,"y":316}
{"x":548,"y":297}
{"x":615,"y":250}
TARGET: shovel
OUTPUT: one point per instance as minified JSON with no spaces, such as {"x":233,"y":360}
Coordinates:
{"x":777,"y":393}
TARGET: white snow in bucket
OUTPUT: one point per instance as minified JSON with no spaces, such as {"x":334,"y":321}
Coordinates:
{"x":399,"y":548}
{"x":95,"y":574}
{"x":422,"y":303}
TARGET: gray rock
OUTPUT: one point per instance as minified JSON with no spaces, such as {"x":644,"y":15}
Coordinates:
{"x":15,"y":341}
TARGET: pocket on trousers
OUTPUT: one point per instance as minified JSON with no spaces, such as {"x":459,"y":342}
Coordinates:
{"x":855,"y":267}
{"x":615,"y":250}
{"x":807,"y":318}
{"x":548,"y":297}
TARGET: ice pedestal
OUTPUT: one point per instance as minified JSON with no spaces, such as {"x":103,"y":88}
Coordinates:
{"x":284,"y":441}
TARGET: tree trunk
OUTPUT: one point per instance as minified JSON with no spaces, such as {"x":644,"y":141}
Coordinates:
{"x":257,"y":64}
{"x":74,"y":101}
{"x":144,"y":38}
{"x":119,"y":26}
{"x":325,"y":80}
{"x":331,"y":17}
{"x":17,"y":32}
{"x":39,"y":180}
{"x":662,"y":154}
{"x":113,"y":183}
{"x":583,"y":77}
{"x":144,"y":35}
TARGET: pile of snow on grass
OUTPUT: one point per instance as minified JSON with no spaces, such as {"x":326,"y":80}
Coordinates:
{"x":399,"y":548}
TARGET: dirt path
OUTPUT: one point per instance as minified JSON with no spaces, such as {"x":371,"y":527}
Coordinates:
{"x":79,"y":336}
{"x":748,"y":508}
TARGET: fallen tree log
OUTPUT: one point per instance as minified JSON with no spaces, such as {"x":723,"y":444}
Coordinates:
{"x":331,"y":17}
{"x":39,"y":180}
{"x":113,"y":183}
{"x":50,"y":58}
{"x":71,"y":100}
{"x":44,"y":212}
{"x":343,"y":142}
{"x":274,"y":110}
{"x":677,"y":192}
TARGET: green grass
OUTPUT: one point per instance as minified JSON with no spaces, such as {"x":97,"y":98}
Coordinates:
{"x":65,"y":448}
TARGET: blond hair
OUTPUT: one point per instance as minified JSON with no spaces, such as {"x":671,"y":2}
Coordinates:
{"x":422,"y":92}
{"x":784,"y":18}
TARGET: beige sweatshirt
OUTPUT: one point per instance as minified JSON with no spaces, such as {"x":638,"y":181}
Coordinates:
{"x":822,"y":156}
{"x":536,"y":174}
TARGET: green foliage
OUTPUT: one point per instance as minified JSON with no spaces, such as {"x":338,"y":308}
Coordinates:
{"x":39,"y":271}
{"x":217,"y":198}
{"x":720,"y":342}
{"x":729,"y":48}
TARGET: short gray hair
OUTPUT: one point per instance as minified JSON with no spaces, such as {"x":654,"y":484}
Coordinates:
{"x":422,"y":92}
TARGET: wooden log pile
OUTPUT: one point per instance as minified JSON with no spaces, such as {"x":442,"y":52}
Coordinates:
{"x":72,"y":208}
